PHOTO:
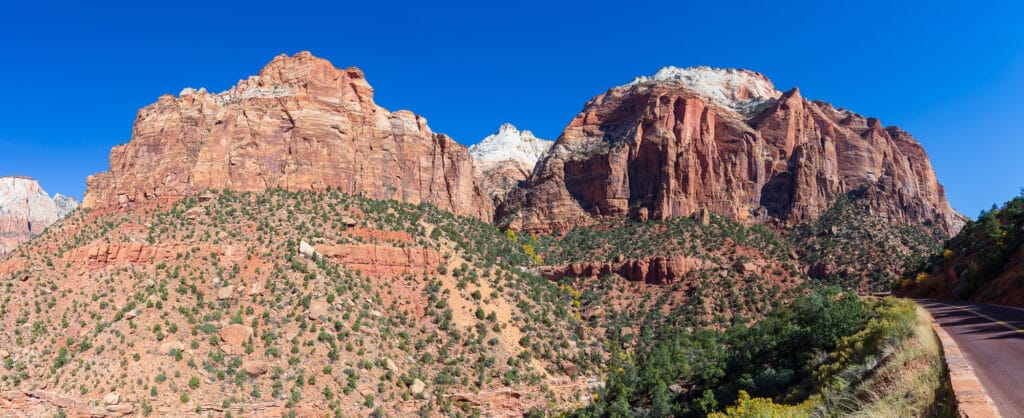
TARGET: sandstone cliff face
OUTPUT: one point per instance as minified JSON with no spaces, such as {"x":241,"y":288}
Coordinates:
{"x":301,"y":124}
{"x":26,"y":210}
{"x":505,"y":158}
{"x":724,"y":140}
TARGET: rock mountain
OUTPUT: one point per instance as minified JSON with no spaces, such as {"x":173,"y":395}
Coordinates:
{"x":728,"y":141}
{"x":26,"y":210}
{"x":658,"y":147}
{"x":505,"y":158}
{"x":249,"y":252}
{"x":301,"y":124}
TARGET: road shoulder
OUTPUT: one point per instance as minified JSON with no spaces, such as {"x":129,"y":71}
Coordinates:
{"x":971,"y":399}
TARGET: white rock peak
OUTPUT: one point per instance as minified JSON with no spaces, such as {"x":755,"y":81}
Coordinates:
{"x":509,"y":144}
{"x":24,"y":198}
{"x":741,"y":90}
{"x":26,"y":210}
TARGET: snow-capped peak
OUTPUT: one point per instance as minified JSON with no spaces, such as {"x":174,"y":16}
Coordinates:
{"x":741,"y":90}
{"x":508,"y":144}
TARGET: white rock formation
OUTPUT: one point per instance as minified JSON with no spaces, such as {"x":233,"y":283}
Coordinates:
{"x":741,"y":90}
{"x":26,"y":210}
{"x":506,"y":157}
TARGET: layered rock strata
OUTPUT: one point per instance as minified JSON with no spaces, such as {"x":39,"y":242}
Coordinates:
{"x":301,"y":124}
{"x":728,"y":141}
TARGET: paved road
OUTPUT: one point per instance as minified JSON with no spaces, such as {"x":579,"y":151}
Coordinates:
{"x":991,"y":338}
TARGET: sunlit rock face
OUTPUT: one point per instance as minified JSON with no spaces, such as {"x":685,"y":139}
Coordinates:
{"x":301,"y":124}
{"x":505,"y":158}
{"x":26,"y":210}
{"x":728,"y":141}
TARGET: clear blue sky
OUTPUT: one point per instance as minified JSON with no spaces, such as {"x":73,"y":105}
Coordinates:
{"x":951,"y":73}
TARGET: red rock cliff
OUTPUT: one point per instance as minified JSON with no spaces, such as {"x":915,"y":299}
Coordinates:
{"x":725,"y":140}
{"x":300,"y":124}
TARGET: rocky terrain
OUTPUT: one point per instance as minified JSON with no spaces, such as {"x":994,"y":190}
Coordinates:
{"x":301,"y":124}
{"x":850,"y":246}
{"x":505,"y":158}
{"x":680,"y":272}
{"x":728,"y":141}
{"x":26,"y":210}
{"x":267,"y":303}
{"x":287,"y":247}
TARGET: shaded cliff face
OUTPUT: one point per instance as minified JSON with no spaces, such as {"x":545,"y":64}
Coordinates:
{"x":672,"y":144}
{"x":26,"y":210}
{"x":301,"y":124}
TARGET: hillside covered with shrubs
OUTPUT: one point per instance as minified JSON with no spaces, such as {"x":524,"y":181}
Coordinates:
{"x":984,"y":262}
{"x":295,"y":303}
{"x":828,"y":353}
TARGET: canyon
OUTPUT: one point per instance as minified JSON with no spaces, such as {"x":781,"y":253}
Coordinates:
{"x":288,"y":245}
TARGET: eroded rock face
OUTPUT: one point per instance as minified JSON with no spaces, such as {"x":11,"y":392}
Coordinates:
{"x":676,"y":143}
{"x":301,"y":124}
{"x":505,"y":158}
{"x":26,"y":210}
{"x":653,"y":270}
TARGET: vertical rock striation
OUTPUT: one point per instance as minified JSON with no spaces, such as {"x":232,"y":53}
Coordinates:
{"x":301,"y":124}
{"x":725,"y":140}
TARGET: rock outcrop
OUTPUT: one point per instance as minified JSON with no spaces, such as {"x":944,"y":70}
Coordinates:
{"x":652,"y":270}
{"x":728,"y":141}
{"x":505,"y":158}
{"x":301,"y":124}
{"x":26,"y":210}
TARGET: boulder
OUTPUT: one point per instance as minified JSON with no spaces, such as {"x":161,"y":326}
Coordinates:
{"x":234,"y":336}
{"x":119,"y":410}
{"x":226,"y":292}
{"x":306,"y":250}
{"x":112,"y":398}
{"x":317,"y":309}
{"x":255,"y":368}
{"x":417,"y":387}
{"x":746,"y":267}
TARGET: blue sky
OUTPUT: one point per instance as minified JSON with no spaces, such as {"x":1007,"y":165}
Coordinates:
{"x":951,"y":73}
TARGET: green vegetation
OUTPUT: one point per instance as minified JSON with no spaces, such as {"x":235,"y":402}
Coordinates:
{"x":738,"y":330}
{"x":979,"y":262}
{"x":854,"y":248}
{"x":814,"y":355}
{"x":715,"y":291}
{"x":366,"y":335}
{"x":615,"y":238}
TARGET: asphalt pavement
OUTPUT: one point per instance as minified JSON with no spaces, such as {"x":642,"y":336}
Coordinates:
{"x":991,"y":338}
